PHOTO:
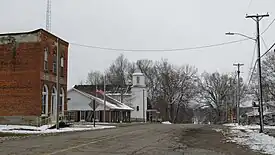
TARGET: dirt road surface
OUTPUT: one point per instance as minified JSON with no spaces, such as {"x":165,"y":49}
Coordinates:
{"x":149,"y":139}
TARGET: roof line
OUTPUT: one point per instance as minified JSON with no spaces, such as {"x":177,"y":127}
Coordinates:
{"x":90,"y":96}
{"x":34,"y":31}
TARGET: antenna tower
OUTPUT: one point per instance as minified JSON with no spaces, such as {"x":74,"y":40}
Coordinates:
{"x":48,"y":16}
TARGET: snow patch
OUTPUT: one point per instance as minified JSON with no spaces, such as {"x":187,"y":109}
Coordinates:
{"x":166,"y":122}
{"x":249,"y":135}
{"x":20,"y":129}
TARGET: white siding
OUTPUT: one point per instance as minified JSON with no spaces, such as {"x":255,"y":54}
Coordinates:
{"x":78,"y":101}
{"x":138,"y":97}
{"x":141,"y":81}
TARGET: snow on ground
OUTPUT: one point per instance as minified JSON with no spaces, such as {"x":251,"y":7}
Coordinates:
{"x":20,"y":129}
{"x":252,"y":127}
{"x":166,"y":122}
{"x":250,"y":136}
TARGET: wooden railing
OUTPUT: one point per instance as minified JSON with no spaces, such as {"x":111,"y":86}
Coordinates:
{"x":65,"y":117}
{"x":43,"y":120}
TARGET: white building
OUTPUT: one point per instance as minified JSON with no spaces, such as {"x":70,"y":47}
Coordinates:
{"x":134,"y":104}
{"x":139,"y":97}
{"x":80,"y":107}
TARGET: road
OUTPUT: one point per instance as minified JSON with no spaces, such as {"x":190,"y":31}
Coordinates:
{"x":150,"y":139}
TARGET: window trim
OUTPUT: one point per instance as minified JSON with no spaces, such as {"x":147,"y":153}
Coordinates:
{"x":45,"y":93}
{"x":62,"y":66}
{"x":46,"y":57}
{"x":54,"y":69}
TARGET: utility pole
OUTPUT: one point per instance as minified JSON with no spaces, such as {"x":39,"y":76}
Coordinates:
{"x":57,"y":84}
{"x":94,"y":110}
{"x":257,"y":18}
{"x":121,"y":100}
{"x":104,"y":113}
{"x":94,"y":100}
{"x":143,"y":105}
{"x":238,"y":91}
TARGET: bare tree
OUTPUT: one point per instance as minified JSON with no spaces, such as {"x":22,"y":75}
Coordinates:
{"x":177,"y":86}
{"x":118,"y":72}
{"x":268,"y":76}
{"x":150,"y":70}
{"x":95,"y":77}
{"x":81,"y":82}
{"x":218,"y":91}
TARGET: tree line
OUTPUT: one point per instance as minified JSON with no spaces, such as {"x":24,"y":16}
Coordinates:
{"x":178,"y":91}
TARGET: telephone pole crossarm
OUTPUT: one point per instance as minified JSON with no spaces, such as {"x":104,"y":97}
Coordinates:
{"x":257,"y":16}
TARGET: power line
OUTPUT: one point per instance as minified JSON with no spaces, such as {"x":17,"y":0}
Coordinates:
{"x":158,"y":50}
{"x":252,"y":72}
{"x":268,"y":26}
{"x":249,"y":4}
{"x":253,"y":57}
{"x":264,"y":43}
{"x":268,"y":50}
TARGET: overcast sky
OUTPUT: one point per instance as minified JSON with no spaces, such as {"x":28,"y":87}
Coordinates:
{"x":146,"y":24}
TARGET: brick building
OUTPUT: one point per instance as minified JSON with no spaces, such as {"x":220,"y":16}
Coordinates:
{"x":28,"y":75}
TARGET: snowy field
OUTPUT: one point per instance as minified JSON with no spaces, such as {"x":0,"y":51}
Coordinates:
{"x":249,"y":136}
{"x":20,"y":129}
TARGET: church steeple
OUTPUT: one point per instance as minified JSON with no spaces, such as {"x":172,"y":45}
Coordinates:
{"x":138,"y":79}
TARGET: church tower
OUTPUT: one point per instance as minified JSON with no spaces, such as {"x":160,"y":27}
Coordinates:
{"x":139,"y":96}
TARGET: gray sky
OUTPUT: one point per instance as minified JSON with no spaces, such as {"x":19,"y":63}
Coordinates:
{"x":146,"y":24}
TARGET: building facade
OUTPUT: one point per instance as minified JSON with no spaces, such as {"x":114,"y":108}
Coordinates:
{"x":139,"y":97}
{"x":28,"y":66}
{"x":80,"y":107}
{"x":125,"y":104}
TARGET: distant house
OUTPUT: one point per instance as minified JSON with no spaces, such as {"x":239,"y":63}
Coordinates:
{"x":127,"y":103}
{"x":251,"y":116}
{"x":28,"y":67}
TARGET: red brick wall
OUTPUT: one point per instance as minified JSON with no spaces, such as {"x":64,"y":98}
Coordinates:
{"x":20,"y":83}
{"x":19,"y":80}
{"x":48,"y":40}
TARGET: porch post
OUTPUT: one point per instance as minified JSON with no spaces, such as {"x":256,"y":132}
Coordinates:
{"x":129,"y":116}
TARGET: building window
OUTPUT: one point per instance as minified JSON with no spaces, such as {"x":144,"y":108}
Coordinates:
{"x":53,"y":101}
{"x":43,"y":105}
{"x":138,"y":80}
{"x":137,"y":108}
{"x":46,"y":58}
{"x":61,"y":105}
{"x":54,"y":64}
{"x":45,"y":100}
{"x":62,"y":66}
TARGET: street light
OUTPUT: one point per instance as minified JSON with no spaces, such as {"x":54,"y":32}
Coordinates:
{"x":257,"y":40}
{"x":235,"y":33}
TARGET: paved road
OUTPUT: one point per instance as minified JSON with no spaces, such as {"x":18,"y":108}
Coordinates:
{"x":148,"y":139}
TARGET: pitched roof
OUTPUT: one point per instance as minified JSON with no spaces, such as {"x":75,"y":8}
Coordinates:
{"x":109,"y":88}
{"x":110,"y":102}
